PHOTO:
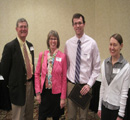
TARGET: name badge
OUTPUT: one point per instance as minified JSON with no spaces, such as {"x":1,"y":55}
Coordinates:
{"x":31,"y":48}
{"x":116,"y":70}
{"x":58,"y":59}
{"x":87,"y":55}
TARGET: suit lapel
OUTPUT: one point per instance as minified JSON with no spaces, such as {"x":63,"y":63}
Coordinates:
{"x":19,"y":52}
{"x":31,"y":49}
{"x":56,"y":62}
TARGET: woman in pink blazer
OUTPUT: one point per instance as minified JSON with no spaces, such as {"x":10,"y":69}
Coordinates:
{"x":51,"y":88}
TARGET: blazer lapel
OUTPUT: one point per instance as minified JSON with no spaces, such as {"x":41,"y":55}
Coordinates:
{"x":31,"y":49}
{"x":57,"y":61}
{"x":19,"y":52}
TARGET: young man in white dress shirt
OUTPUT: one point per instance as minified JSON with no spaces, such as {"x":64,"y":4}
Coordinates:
{"x":89,"y":64}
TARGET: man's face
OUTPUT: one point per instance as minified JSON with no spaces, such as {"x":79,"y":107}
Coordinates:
{"x":22,"y":30}
{"x":78,"y":26}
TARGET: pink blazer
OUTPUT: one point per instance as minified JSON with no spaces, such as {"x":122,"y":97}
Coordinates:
{"x":59,"y":81}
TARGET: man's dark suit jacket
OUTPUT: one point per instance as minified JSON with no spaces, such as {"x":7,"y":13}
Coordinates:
{"x":14,"y":71}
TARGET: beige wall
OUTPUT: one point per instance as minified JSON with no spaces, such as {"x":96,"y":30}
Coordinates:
{"x":103,"y":18}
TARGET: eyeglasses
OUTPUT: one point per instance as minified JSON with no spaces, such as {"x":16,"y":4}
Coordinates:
{"x":53,"y":39}
{"x":79,"y":23}
{"x":22,"y":27}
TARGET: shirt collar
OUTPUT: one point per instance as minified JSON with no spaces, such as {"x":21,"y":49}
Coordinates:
{"x":20,"y":41}
{"x":81,"y":39}
{"x":119,"y":61}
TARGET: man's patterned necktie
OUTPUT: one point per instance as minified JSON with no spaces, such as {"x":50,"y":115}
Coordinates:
{"x":78,"y":59}
{"x":27,"y":62}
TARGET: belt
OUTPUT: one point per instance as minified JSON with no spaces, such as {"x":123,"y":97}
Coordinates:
{"x":29,"y":80}
{"x":70,"y":82}
{"x":74,"y":83}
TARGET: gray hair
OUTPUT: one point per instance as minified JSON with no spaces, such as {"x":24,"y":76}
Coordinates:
{"x":21,"y":20}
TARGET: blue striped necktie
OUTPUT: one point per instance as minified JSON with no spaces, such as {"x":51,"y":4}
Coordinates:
{"x":78,"y":59}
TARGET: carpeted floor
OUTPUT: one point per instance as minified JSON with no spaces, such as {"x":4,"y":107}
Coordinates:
{"x":6,"y":115}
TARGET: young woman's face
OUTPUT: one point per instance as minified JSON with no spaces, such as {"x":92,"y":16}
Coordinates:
{"x":114,"y":47}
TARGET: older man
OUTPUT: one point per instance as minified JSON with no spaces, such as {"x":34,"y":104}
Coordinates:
{"x":17,"y":67}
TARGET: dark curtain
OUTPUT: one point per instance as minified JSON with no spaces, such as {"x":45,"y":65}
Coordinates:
{"x":5,"y":103}
{"x":95,"y":97}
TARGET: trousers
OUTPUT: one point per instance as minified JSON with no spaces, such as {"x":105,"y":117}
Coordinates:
{"x":73,"y":109}
{"x":25,"y":112}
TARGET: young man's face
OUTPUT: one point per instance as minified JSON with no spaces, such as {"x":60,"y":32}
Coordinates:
{"x":78,"y":26}
{"x":22,"y":30}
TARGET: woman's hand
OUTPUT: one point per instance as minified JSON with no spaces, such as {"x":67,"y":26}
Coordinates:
{"x":38,"y":98}
{"x":62,"y":103}
{"x":99,"y":113}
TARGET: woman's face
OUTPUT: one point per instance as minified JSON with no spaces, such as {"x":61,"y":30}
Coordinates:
{"x":114,"y":47}
{"x":53,"y":42}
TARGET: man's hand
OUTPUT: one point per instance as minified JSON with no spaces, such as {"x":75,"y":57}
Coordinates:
{"x":85,"y":90}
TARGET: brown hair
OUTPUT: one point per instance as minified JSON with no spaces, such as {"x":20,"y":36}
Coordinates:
{"x":55,"y":34}
{"x":118,"y":37}
{"x":78,"y":15}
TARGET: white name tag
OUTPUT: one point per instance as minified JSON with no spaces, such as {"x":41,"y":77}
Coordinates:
{"x":116,"y":70}
{"x":58,"y":59}
{"x":87,"y":55}
{"x":31,"y":48}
